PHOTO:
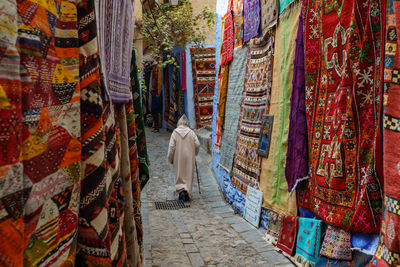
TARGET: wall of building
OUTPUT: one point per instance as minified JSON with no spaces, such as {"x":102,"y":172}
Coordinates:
{"x":198,"y":6}
{"x":138,"y":38}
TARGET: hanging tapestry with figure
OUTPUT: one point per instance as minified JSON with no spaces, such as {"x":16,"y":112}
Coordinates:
{"x":255,"y":103}
{"x":343,"y":109}
{"x":203,"y":69}
{"x":237,"y":9}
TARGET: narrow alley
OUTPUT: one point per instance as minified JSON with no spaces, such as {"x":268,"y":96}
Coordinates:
{"x":208,"y":233}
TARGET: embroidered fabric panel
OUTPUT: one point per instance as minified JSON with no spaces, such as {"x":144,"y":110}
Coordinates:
{"x":288,"y":234}
{"x":343,"y":50}
{"x":274,"y":227}
{"x":251,"y":17}
{"x":336,"y":244}
{"x":255,"y":103}
{"x":203,"y":66}
{"x":269,"y":14}
{"x":308,"y":240}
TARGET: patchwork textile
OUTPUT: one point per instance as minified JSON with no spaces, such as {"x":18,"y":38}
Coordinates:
{"x":255,"y":103}
{"x":139,"y":123}
{"x":272,"y":177}
{"x":388,"y":252}
{"x":228,"y":40}
{"x":115,"y":33}
{"x":336,"y":244}
{"x":39,"y":132}
{"x":308,"y":241}
{"x":288,"y":234}
{"x":237,"y":9}
{"x":15,"y":188}
{"x":296,"y":168}
{"x":359,"y":259}
{"x":283,"y":4}
{"x":274,"y":227}
{"x":222,"y":94}
{"x":234,"y":98}
{"x":251,"y":16}
{"x":342,"y":108}
{"x":203,"y":69}
{"x":269,"y":14}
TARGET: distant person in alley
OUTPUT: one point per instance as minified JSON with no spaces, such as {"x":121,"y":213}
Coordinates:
{"x":156,"y":110}
{"x":183,"y":148}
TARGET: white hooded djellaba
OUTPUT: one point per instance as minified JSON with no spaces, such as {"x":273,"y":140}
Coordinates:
{"x":183,"y":148}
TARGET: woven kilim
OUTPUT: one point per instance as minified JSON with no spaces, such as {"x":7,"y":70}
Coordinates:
{"x":255,"y":103}
{"x":203,"y":69}
{"x":139,"y":122}
{"x":234,"y":98}
{"x":105,"y":219}
{"x":115,"y":34}
{"x":343,"y":43}
{"x":388,"y":252}
{"x":222,"y":93}
{"x":173,"y":98}
{"x":228,"y":41}
{"x":40,"y":125}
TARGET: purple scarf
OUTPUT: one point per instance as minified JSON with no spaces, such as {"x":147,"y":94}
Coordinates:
{"x":251,"y":11}
{"x":297,"y":155}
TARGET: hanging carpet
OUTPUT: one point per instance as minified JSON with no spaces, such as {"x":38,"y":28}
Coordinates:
{"x":222,"y":94}
{"x":237,"y":9}
{"x":234,"y":98}
{"x":342,"y":109}
{"x":388,"y":252}
{"x":255,"y":103}
{"x":203,"y":69}
{"x":272,"y":178}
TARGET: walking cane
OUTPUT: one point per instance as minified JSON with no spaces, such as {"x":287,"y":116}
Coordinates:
{"x":197,"y":172}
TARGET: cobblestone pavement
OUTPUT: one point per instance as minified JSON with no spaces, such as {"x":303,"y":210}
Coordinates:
{"x":206,"y":234}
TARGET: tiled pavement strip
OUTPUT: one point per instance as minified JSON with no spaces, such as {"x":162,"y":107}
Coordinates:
{"x":208,"y":233}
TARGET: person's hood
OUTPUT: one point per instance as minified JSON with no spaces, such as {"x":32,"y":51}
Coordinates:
{"x":182,"y":130}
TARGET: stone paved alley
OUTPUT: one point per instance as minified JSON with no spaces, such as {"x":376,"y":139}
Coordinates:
{"x":208,"y":233}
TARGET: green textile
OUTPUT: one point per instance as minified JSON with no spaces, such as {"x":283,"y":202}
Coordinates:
{"x":272,"y":177}
{"x":283,"y":4}
{"x":140,"y":130}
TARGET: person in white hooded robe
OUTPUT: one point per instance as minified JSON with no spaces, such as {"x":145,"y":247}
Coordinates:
{"x":182,"y":151}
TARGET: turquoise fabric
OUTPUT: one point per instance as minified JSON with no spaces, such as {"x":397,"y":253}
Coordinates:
{"x":309,"y":239}
{"x":283,"y":4}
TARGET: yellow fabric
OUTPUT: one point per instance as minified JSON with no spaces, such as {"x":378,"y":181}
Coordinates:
{"x":272,"y":177}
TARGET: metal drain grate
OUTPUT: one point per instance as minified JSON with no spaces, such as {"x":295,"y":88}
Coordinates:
{"x":171,"y":205}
